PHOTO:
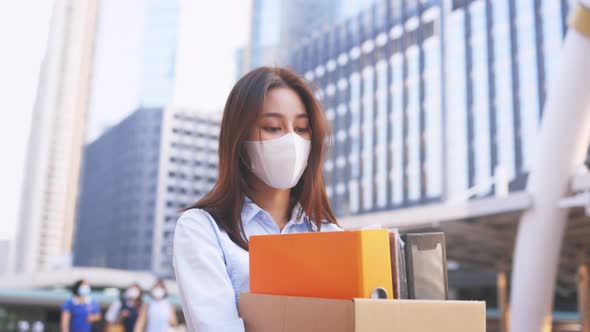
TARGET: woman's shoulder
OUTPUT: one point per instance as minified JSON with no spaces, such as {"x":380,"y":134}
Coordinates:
{"x":68,"y":303}
{"x":195,"y":223}
{"x":195,"y":215}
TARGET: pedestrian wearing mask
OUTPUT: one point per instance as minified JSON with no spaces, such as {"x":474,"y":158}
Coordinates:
{"x":130,"y":307}
{"x":81,"y":311}
{"x":159,"y":314}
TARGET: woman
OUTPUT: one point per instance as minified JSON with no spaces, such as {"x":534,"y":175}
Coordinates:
{"x":79,"y":312}
{"x":130,"y":306}
{"x":271,"y":146}
{"x":159,"y":315}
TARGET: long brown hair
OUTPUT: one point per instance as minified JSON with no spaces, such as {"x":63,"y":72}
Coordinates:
{"x":242,"y":110}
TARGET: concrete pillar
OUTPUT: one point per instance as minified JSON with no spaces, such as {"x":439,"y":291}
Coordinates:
{"x":563,"y":141}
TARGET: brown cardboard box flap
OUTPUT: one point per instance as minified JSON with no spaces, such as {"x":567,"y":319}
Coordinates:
{"x":272,"y":313}
{"x":419,"y":316}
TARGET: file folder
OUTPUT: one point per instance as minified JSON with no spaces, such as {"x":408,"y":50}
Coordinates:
{"x":336,"y":265}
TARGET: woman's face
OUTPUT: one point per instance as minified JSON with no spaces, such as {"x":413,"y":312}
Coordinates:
{"x":132,"y":292}
{"x":283,"y":112}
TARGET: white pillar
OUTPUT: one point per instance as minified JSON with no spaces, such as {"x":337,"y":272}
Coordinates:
{"x":563,"y":140}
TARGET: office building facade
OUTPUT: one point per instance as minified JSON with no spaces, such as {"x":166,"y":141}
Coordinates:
{"x":278,"y":26}
{"x":136,"y":178}
{"x":188,"y":171}
{"x":265,"y":30}
{"x":428,"y":99}
{"x":114,"y":225}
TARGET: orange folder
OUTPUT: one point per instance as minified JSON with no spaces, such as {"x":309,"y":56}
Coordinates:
{"x":337,"y":265}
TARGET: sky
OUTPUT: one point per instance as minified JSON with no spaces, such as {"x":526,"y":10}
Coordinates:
{"x":22,"y":35}
{"x":209,"y":35}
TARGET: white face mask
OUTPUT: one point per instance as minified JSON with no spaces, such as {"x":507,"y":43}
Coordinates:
{"x":132,"y":293}
{"x":158,"y":293}
{"x":84,"y":290}
{"x":279,"y":162}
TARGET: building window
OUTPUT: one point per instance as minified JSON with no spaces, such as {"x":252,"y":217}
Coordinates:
{"x":396,"y":119}
{"x":482,"y":151}
{"x":367,"y":137}
{"x":503,"y":99}
{"x":381,"y":152}
{"x":457,"y":152}
{"x":433,"y":118}
{"x":552,"y":40}
{"x":413,"y":114}
{"x":355,"y":146}
{"x":528,"y":80}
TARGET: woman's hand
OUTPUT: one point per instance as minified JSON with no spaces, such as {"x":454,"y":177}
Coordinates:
{"x":141,"y":319}
{"x":94,"y":317}
{"x":173,"y":319}
{"x":125,"y":313}
{"x":65,"y":321}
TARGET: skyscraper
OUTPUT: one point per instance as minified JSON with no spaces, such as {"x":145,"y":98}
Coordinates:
{"x":136,"y":178}
{"x":427,"y":99}
{"x":159,"y":55}
{"x":278,"y":26}
{"x":114,"y":223}
{"x":300,"y":19}
{"x":50,"y":189}
{"x":265,"y":33}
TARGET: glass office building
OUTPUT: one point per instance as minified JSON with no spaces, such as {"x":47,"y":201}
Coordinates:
{"x":265,"y":32}
{"x":278,"y":26}
{"x":136,"y":179}
{"x":115,"y":217}
{"x":427,"y":98}
{"x":159,"y":55}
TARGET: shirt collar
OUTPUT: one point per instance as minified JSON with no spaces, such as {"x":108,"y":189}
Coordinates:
{"x":296,"y":209}
{"x":251,"y":210}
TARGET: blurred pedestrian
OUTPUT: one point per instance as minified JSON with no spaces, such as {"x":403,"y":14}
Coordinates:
{"x":112,"y":314}
{"x":23,"y":326}
{"x":123,"y":313}
{"x":38,"y":326}
{"x":81,"y":311}
{"x":159,"y":314}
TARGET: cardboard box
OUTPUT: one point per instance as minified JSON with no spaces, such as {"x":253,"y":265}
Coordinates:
{"x":271,"y":313}
{"x":336,"y":265}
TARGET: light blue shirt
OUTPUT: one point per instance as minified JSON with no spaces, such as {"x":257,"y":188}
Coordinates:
{"x":212,"y":271}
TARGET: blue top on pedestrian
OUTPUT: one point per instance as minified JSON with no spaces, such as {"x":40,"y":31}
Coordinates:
{"x":79,"y":312}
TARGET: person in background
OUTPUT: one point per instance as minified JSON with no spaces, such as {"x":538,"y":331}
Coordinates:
{"x":112,"y":314}
{"x":79,"y":312}
{"x":130,"y":305}
{"x":38,"y":326}
{"x":159,"y":314}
